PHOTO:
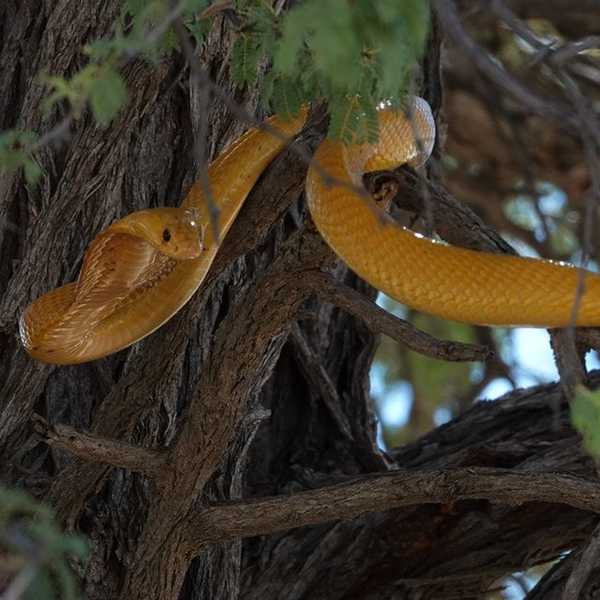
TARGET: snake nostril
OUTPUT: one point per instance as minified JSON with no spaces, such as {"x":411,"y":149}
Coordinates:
{"x":166,"y":235}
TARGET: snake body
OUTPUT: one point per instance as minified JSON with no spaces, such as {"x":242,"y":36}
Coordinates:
{"x":133,"y":278}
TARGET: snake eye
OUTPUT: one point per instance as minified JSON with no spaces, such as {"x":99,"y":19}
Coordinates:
{"x":166,"y":235}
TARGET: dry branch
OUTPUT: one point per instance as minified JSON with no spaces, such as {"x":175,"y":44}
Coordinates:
{"x":371,"y":493}
{"x":529,"y":100}
{"x":93,"y":448}
{"x":587,"y":562}
{"x":380,"y":321}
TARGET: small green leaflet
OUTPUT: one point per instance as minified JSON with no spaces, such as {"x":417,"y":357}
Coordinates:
{"x":25,"y":525}
{"x":244,"y":60}
{"x":585,"y":417}
{"x":15,"y":153}
{"x":108,"y":94}
{"x":353,"y":54}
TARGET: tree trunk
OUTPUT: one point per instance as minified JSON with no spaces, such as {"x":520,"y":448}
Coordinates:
{"x":255,"y":389}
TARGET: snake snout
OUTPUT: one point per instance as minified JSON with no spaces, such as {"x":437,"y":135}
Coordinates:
{"x":190,"y":236}
{"x":178,"y":233}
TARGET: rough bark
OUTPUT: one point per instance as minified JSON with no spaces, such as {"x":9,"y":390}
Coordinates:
{"x":258,"y":388}
{"x":455,"y":549}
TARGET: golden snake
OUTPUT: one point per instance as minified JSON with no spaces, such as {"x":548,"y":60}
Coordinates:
{"x":140,"y":271}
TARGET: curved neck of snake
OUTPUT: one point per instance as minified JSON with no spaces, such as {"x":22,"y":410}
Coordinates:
{"x":327,"y":201}
{"x":128,"y":264}
{"x":234,"y":173}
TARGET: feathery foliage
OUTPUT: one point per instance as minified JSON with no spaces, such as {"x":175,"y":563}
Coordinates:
{"x":35,"y":550}
{"x":16,"y":153}
{"x":351,"y":54}
{"x":585,"y":416}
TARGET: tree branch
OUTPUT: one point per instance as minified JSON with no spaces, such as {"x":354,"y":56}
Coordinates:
{"x":566,"y":52}
{"x":316,"y":372}
{"x":586,"y":564}
{"x":97,"y":449}
{"x":570,"y":365}
{"x":380,"y":321}
{"x":372,"y":493}
{"x":455,"y":222}
{"x":451,"y":23}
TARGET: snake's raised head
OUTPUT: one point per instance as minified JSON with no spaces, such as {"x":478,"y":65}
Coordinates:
{"x":176,"y":232}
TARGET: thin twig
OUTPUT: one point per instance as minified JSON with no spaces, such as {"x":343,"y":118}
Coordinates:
{"x":590,"y":148}
{"x":199,"y":84}
{"x":206,"y":85}
{"x":450,"y":21}
{"x":155,"y":34}
{"x":315,"y":371}
{"x":420,"y":166}
{"x":16,"y":590}
{"x":570,"y":366}
{"x":243,"y":115}
{"x":562,"y":54}
{"x":521,"y":582}
{"x":57,"y":133}
{"x":212,"y":10}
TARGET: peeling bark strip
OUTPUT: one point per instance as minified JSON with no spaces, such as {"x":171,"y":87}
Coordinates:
{"x":176,"y":431}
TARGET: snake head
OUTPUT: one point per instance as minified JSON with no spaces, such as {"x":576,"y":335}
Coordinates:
{"x":176,"y":232}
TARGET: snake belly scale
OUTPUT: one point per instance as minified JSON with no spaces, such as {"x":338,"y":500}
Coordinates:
{"x":142,"y":269}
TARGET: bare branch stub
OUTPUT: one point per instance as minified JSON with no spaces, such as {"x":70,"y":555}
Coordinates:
{"x":92,"y":448}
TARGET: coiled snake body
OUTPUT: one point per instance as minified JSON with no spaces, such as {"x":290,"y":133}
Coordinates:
{"x":144,"y":268}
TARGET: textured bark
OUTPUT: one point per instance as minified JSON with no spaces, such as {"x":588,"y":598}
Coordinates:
{"x":449,"y":550}
{"x":255,"y":389}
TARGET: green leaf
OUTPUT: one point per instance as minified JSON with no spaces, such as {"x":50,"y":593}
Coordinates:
{"x":75,"y":90}
{"x":32,"y":171}
{"x":134,"y":8}
{"x":15,"y":503}
{"x":245,"y":57}
{"x":41,"y":587}
{"x":352,"y":54}
{"x":145,"y":16}
{"x":41,"y":544}
{"x":585,"y":417}
{"x":296,"y":25}
{"x":111,"y":48}
{"x":198,"y":28}
{"x":65,"y":579}
{"x":354,"y":120}
{"x":108,"y":94}
{"x":15,"y":153}
{"x":74,"y":546}
{"x":286,"y":97}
